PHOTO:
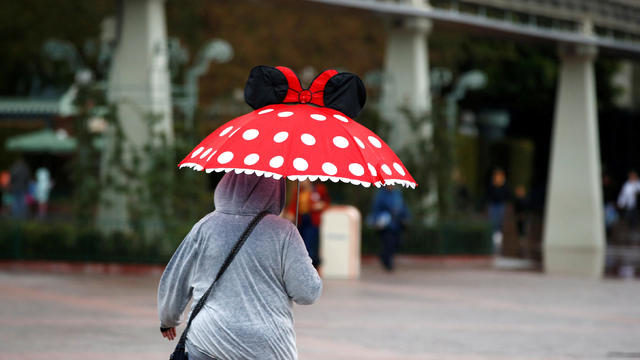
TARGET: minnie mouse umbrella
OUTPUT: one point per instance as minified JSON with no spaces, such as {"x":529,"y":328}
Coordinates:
{"x":301,"y":134}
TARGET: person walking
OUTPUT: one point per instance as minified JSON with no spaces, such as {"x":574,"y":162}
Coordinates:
{"x":498,"y":194}
{"x":248,"y":314}
{"x":5,"y":201}
{"x":627,"y":200}
{"x":609,"y":197}
{"x":390,"y":216}
{"x":42,"y":190}
{"x":313,"y":200}
{"x":20,"y":175}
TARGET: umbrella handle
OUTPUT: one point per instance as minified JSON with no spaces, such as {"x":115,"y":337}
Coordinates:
{"x":297,"y":202}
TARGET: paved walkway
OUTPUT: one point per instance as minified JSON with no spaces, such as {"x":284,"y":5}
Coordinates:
{"x":415,"y":313}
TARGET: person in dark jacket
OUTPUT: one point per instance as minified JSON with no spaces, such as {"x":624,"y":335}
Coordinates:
{"x":19,"y":188}
{"x":390,"y":216}
{"x":609,"y":196}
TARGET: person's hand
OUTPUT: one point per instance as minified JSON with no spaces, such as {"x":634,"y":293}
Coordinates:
{"x":169,"y":333}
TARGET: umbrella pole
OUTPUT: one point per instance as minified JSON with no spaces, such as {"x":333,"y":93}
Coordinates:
{"x":297,"y":202}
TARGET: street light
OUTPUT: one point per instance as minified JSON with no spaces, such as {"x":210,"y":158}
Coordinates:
{"x":217,"y":50}
{"x":471,"y":80}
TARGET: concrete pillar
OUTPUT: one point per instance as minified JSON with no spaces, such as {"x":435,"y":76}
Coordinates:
{"x":405,"y":86}
{"x":406,"y":75}
{"x":574,"y":237}
{"x":139,"y":85}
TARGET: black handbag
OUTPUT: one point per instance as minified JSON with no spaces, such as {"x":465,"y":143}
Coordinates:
{"x":180,"y":353}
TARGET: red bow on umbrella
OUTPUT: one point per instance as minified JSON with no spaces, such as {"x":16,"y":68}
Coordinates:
{"x":314,"y":94}
{"x":301,"y":133}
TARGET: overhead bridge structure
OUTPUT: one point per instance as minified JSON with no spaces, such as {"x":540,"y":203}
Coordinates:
{"x":574,"y":239}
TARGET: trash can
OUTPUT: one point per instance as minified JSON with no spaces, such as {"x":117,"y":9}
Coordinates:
{"x":340,"y":232}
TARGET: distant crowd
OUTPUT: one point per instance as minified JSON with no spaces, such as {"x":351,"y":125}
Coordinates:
{"x":24,"y":196}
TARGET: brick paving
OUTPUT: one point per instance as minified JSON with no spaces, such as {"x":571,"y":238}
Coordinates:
{"x":418,"y":312}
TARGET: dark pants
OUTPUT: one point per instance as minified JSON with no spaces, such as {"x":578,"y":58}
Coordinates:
{"x":310,"y":234}
{"x":390,"y":242}
{"x":19,"y":208}
{"x":496,"y":216}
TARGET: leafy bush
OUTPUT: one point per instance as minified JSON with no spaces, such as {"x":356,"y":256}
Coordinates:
{"x":446,"y":238}
{"x":63,"y":241}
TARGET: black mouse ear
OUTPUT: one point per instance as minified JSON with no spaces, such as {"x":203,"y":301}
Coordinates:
{"x":346,"y":93}
{"x":266,"y":85}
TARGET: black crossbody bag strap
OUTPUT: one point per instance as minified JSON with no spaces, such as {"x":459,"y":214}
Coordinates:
{"x":180,"y":347}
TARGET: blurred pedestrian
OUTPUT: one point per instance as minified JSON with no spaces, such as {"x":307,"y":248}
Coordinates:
{"x":497,"y":195}
{"x":609,"y":196}
{"x":42,"y":190}
{"x":389,"y":216}
{"x":313,"y":200}
{"x":20,"y":175}
{"x":32,"y":204}
{"x":627,"y":200}
{"x":5,"y":200}
{"x":248,"y":315}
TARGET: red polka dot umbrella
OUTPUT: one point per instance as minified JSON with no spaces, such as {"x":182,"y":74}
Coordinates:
{"x":301,"y":141}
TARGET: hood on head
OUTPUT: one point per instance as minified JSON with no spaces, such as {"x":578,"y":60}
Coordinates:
{"x":249,"y":194}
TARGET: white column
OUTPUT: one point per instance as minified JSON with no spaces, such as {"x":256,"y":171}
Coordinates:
{"x":139,"y":85}
{"x":406,"y":74}
{"x":574,"y":240}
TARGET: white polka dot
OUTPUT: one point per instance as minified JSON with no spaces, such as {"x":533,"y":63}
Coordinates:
{"x":226,"y":131}
{"x":285,"y":114}
{"x":318,"y":117}
{"x":356,"y":169}
{"x":250,"y":134}
{"x":213,"y":153}
{"x":308,"y":139}
{"x":251,"y":159}
{"x":360,"y":143}
{"x":195,"y":153}
{"x":204,"y":154}
{"x":276,"y":162}
{"x":329,"y":168}
{"x":372,"y":170}
{"x":281,"y":136}
{"x":341,"y":118}
{"x":265,"y":111}
{"x":386,"y":169}
{"x":234,"y":132}
{"x":225,"y":157}
{"x":340,"y":142}
{"x":398,"y":168}
{"x":375,"y":142}
{"x":300,"y":164}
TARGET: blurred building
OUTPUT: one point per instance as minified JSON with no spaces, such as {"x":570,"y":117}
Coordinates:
{"x":574,"y":240}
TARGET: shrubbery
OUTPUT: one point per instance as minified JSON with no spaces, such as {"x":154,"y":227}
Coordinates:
{"x":63,"y":241}
{"x":447,"y":238}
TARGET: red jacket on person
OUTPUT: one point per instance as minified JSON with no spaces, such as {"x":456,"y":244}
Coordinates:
{"x":320,"y":194}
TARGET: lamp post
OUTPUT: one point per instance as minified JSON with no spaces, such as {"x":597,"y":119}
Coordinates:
{"x":217,"y":50}
{"x":445,"y":127}
{"x":471,"y":80}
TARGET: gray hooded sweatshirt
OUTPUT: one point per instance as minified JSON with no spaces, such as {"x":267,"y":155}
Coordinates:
{"x":248,"y":314}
